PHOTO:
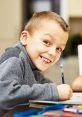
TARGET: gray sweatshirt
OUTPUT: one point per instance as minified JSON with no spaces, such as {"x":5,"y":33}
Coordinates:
{"x":21,"y":81}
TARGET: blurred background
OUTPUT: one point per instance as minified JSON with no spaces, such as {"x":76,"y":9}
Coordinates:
{"x":15,"y":13}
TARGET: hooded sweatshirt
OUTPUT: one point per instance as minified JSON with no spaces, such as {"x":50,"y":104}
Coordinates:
{"x":21,"y":81}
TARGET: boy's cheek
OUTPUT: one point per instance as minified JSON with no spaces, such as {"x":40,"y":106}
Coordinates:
{"x":56,"y":59}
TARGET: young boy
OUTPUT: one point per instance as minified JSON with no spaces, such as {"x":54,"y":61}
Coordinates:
{"x":41,"y":44}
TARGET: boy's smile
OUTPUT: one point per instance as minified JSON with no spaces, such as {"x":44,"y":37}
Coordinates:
{"x":46,"y":60}
{"x":46,"y":44}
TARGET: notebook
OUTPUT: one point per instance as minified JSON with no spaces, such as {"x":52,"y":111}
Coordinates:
{"x":75,"y":99}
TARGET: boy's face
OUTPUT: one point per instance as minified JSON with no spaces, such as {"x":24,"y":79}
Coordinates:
{"x":46,"y":45}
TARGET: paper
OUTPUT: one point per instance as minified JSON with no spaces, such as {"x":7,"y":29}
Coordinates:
{"x":80,"y":58}
{"x":75,"y":99}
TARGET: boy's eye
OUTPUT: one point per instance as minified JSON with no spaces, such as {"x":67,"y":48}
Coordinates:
{"x":59,"y":50}
{"x":46,"y":42}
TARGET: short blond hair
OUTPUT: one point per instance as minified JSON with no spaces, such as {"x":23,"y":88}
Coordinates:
{"x":38,"y":17}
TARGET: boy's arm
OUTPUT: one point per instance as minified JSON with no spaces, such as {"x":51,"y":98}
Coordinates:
{"x":13,"y":92}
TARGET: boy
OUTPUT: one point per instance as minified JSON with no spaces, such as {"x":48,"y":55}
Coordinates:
{"x":41,"y":44}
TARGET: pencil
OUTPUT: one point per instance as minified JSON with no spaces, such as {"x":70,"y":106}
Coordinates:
{"x":62,"y":74}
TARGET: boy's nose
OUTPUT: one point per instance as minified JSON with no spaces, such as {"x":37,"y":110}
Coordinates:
{"x":52,"y":51}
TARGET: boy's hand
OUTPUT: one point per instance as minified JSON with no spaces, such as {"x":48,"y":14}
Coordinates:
{"x":77,"y":84}
{"x":65,"y":92}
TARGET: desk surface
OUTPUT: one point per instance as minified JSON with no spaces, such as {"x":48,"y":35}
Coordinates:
{"x":76,"y":99}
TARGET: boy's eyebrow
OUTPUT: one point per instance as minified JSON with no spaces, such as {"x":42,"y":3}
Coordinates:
{"x":53,"y":38}
{"x":49,"y":35}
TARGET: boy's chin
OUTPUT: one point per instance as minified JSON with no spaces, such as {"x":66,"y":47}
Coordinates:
{"x":41,"y":68}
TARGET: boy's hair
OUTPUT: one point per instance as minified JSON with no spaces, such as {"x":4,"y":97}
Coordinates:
{"x":38,"y":17}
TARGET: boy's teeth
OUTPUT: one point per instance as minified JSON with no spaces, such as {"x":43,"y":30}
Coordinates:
{"x":46,"y":60}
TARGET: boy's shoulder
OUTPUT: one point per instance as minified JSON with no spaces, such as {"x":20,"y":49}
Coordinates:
{"x":10,"y":52}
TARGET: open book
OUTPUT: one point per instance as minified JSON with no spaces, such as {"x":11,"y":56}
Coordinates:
{"x":75,"y":99}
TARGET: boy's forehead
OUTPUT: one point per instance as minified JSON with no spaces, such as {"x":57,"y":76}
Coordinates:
{"x":51,"y":29}
{"x":48,"y":22}
{"x":49,"y":25}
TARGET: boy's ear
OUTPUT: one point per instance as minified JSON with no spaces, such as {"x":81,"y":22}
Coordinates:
{"x":23,"y":37}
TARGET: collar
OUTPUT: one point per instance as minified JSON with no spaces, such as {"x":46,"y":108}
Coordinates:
{"x":19,"y":45}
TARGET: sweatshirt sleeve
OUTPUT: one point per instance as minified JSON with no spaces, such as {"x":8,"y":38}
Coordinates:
{"x":13,"y":92}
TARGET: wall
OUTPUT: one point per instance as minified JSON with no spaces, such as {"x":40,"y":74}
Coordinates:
{"x":71,"y":71}
{"x":75,"y":8}
{"x":75,"y":16}
{"x":10,"y":22}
